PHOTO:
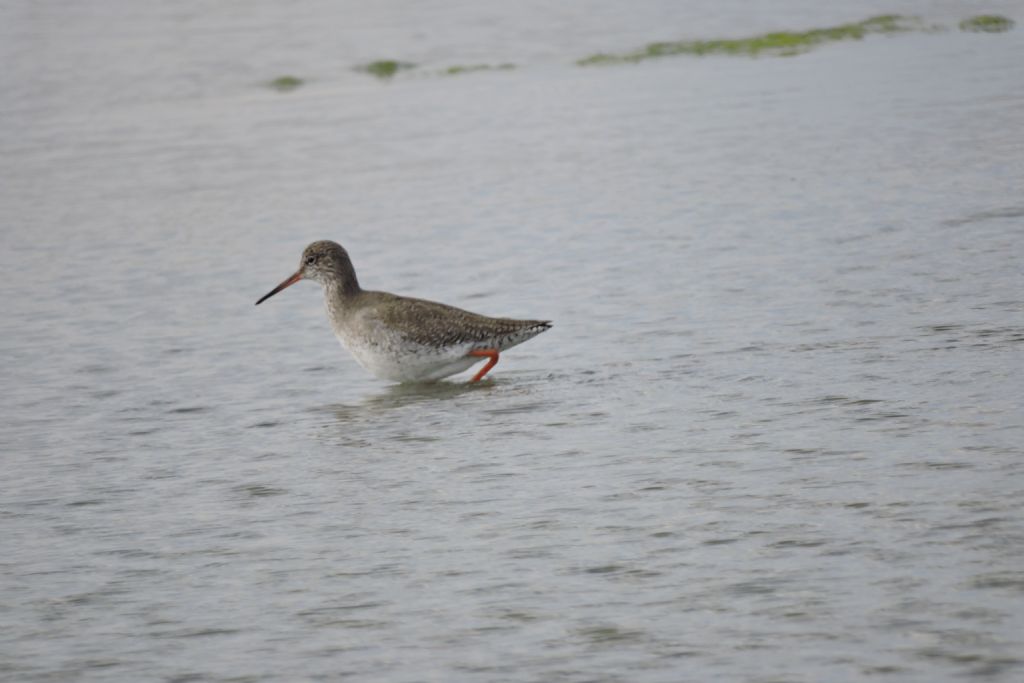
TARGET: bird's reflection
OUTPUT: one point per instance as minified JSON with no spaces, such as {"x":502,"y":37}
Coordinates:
{"x":375,"y":414}
{"x":402,"y":395}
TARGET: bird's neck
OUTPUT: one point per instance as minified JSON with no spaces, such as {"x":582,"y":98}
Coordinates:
{"x":343,"y":281}
{"x":339,"y":294}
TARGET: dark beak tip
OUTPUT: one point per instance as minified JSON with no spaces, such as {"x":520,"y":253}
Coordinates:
{"x":287,"y":283}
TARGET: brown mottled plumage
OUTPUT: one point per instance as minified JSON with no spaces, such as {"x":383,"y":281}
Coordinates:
{"x":402,"y":338}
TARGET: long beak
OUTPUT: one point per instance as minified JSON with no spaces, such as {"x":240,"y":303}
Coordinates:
{"x":287,"y":283}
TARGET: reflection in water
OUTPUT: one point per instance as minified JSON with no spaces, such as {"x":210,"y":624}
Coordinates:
{"x":398,"y":396}
{"x":397,"y":409}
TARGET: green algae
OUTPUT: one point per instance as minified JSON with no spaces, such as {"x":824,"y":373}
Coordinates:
{"x":285,"y":83}
{"x":385,"y":68}
{"x":780,"y":43}
{"x":987,"y":23}
{"x":471,"y":68}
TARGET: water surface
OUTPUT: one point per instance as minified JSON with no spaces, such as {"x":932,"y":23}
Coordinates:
{"x":774,"y":435}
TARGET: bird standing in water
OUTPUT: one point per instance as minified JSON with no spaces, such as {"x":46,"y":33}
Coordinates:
{"x":399,"y":338}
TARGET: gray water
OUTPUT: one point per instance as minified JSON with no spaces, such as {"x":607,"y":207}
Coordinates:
{"x":774,"y":435}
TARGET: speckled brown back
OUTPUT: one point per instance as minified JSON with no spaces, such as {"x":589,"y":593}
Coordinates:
{"x":435,"y":324}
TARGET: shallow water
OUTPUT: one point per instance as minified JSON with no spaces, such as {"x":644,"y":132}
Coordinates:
{"x":774,"y":435}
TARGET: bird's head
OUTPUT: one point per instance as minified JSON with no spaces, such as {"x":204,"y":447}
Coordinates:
{"x":325,"y":262}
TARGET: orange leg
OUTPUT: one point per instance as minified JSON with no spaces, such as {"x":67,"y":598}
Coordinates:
{"x":492,"y":354}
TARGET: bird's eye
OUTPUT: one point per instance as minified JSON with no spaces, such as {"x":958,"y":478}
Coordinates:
{"x":310,"y":260}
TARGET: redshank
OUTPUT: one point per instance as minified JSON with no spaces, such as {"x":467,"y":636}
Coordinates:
{"x":400,"y":338}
